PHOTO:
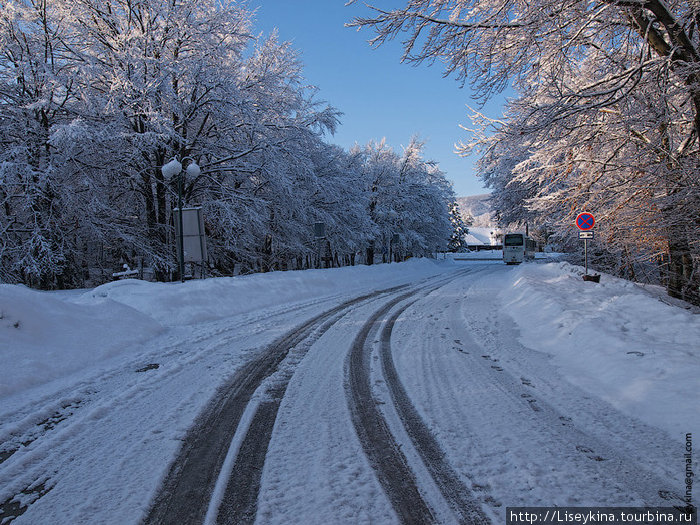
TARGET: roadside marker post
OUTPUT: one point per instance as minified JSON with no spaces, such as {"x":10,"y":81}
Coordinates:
{"x":585,"y":222}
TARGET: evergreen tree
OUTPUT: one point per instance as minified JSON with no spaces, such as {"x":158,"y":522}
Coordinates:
{"x":457,"y":242}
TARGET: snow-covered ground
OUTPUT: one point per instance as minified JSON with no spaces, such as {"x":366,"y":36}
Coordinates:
{"x":51,"y":335}
{"x":99,"y":388}
{"x":614,"y":341}
{"x":483,"y":228}
{"x":482,"y":235}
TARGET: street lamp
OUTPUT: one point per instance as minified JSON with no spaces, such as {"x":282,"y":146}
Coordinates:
{"x":170,"y":170}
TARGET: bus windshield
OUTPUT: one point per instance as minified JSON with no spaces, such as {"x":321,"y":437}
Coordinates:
{"x":513,"y":239}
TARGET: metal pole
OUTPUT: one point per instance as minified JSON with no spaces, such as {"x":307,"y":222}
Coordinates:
{"x":181,"y":240}
{"x":202,"y":243}
{"x":585,"y":251}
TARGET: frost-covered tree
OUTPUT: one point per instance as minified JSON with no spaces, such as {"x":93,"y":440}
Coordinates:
{"x":156,"y":81}
{"x":96,"y":96}
{"x":607,"y":118}
{"x":36,"y":90}
{"x":265,"y":177}
{"x":408,"y":197}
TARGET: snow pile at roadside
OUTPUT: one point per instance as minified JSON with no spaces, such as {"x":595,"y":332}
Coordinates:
{"x":43,"y":336}
{"x":612,"y":339}
{"x":50,"y":335}
{"x":175,"y":304}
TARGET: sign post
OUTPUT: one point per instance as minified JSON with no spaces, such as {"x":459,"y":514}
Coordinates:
{"x":392,"y":241}
{"x":585,"y":222}
{"x":319,"y":235}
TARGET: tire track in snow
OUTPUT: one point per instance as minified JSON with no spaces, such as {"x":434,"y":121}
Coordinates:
{"x":456,"y":494}
{"x":242,"y":483}
{"x":531,"y":396}
{"x":55,"y":413}
{"x":384,"y":453}
{"x":188,"y":487}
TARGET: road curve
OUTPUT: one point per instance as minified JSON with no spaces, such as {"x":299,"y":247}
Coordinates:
{"x":186,"y":492}
{"x":384,"y":453}
{"x":456,"y":494}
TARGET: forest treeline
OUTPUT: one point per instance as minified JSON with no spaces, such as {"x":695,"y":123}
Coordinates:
{"x":605,"y":118}
{"x":97,"y":95}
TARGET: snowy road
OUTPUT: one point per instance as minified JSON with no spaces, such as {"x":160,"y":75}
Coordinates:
{"x":412,"y":403}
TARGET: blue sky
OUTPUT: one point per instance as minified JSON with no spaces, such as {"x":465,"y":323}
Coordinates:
{"x":379,"y":96}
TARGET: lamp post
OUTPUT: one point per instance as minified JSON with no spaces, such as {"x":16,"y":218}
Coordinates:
{"x":170,"y":170}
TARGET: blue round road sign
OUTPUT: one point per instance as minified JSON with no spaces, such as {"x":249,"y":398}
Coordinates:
{"x":585,"y":221}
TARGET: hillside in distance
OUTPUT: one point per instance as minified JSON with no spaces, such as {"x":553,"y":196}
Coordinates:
{"x":477,"y":209}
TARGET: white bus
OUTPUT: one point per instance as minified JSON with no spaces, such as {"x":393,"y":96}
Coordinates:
{"x":517,"y":247}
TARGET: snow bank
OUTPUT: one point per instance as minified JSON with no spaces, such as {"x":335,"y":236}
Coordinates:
{"x":175,"y":304}
{"x":45,"y":335}
{"x":612,"y":339}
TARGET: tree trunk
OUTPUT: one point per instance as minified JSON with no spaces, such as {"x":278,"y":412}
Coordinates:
{"x":370,"y":255}
{"x":683,"y":279}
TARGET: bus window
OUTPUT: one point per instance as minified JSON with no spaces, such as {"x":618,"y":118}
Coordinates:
{"x":513,"y":239}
